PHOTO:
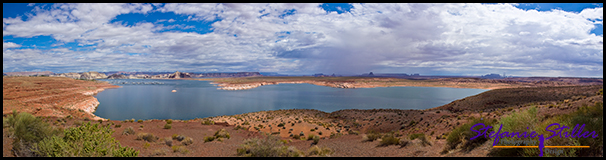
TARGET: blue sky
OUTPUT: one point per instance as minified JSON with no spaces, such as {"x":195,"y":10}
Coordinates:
{"x":563,"y":39}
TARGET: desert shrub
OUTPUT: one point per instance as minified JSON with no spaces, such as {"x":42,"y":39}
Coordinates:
{"x":84,"y":141}
{"x":296,"y":136}
{"x":461,"y":135}
{"x":178,"y":137}
{"x":371,"y":136}
{"x":146,"y":145}
{"x":270,"y":146}
{"x":146,"y":137}
{"x":317,"y":151}
{"x":167,"y":126}
{"x":592,"y":117}
{"x":315,"y":139}
{"x":209,"y":138}
{"x":187,"y":141}
{"x":515,"y":122}
{"x":310,"y":137}
{"x":208,"y":122}
{"x":335,"y":135}
{"x":168,"y":141}
{"x":389,"y":140}
{"x":27,"y":131}
{"x":159,"y":152}
{"x":169,"y":121}
{"x":238,"y":127}
{"x":416,"y":135}
{"x":128,"y":131}
{"x":222,"y":133}
{"x":117,"y":126}
{"x":140,"y":121}
{"x":180,"y":149}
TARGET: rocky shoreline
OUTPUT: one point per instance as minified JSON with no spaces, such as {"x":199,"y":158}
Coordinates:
{"x":350,"y":85}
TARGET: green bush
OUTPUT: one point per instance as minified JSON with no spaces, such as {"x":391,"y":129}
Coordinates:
{"x":592,"y":117}
{"x":27,"y":131}
{"x":84,"y":141}
{"x":169,"y":121}
{"x":522,"y":121}
{"x":167,"y":126}
{"x":269,"y":146}
{"x":460,"y":136}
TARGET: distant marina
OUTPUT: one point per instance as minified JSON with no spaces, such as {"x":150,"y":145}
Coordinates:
{"x":133,"y":82}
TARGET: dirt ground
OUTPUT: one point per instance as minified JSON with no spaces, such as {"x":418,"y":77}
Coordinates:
{"x":347,"y":127}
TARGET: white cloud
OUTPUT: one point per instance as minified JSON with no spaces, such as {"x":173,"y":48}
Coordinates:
{"x":426,"y":38}
{"x":6,"y":45}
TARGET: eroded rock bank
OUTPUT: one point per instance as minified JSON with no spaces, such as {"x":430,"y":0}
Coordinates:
{"x":52,"y":96}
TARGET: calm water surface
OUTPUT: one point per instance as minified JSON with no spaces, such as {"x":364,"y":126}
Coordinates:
{"x":199,"y":99}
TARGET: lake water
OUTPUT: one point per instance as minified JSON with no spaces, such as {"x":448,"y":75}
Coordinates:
{"x":199,"y":99}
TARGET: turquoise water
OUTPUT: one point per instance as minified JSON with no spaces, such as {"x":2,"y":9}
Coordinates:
{"x":199,"y":99}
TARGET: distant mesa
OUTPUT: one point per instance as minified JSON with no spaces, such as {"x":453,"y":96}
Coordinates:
{"x":34,"y":73}
{"x":492,"y":76}
{"x":323,"y":75}
{"x":178,"y":75}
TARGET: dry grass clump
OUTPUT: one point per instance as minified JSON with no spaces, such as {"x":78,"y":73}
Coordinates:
{"x":389,"y":140}
{"x":128,"y":131}
{"x":168,"y":141}
{"x":219,"y":136}
{"x":270,"y":146}
{"x":167,"y":126}
{"x":147,"y":137}
{"x":371,"y":136}
{"x":187,"y":141}
{"x":180,"y":149}
{"x":319,"y":151}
